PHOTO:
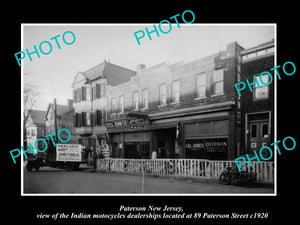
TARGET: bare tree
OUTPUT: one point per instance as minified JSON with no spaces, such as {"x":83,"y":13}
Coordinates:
{"x":30,"y":97}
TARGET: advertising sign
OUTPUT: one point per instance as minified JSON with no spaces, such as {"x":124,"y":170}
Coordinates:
{"x":68,"y":152}
{"x":210,"y":145}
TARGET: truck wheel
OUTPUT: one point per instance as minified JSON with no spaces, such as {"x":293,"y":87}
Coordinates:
{"x":76,"y":166}
{"x":70,"y":166}
{"x":29,"y":166}
{"x":37,"y":167}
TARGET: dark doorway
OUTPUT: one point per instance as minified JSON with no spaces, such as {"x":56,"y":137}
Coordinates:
{"x":166,"y":143}
{"x":137,"y":150}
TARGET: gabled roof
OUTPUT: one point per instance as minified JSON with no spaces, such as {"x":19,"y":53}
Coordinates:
{"x":60,"y":109}
{"x":114,"y":74}
{"x":96,"y":71}
{"x":37,"y":117}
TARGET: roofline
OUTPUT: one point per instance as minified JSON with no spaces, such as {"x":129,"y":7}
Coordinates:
{"x":253,"y":49}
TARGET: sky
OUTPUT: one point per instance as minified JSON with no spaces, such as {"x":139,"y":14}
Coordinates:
{"x":51,"y":75}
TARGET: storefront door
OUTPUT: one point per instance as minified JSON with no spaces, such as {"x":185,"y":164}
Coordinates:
{"x":259,"y":135}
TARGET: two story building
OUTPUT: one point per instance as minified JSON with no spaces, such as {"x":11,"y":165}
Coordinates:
{"x":35,"y":127}
{"x":182,"y":110}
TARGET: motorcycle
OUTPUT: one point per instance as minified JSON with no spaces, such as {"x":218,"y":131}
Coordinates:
{"x":231,"y":175}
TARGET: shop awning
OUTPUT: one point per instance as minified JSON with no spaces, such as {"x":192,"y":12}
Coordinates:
{"x":192,"y":110}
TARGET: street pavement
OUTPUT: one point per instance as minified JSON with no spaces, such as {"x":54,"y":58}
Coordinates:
{"x":59,"y":181}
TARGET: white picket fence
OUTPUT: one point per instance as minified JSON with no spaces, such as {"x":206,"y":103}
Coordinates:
{"x":184,"y":167}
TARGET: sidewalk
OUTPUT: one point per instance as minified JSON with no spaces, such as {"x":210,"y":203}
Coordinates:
{"x":188,"y":179}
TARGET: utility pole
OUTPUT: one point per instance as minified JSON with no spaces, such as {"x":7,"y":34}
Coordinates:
{"x":55,"y":120}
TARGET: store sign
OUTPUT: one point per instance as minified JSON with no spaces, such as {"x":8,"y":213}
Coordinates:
{"x":132,"y":121}
{"x":109,"y":125}
{"x":209,"y":145}
{"x":115,"y":124}
{"x":121,"y":123}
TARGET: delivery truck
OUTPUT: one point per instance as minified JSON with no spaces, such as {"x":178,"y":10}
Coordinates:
{"x":65,"y":156}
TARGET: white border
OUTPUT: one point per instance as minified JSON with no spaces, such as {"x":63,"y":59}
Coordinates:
{"x":158,"y":194}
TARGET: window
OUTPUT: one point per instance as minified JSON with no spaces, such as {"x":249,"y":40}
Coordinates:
{"x":33,"y":133}
{"x":79,"y":94}
{"x":83,"y":116}
{"x":102,"y":90}
{"x":83,"y":93}
{"x":121,"y":104}
{"x":88,"y":118}
{"x":145,"y":98}
{"x":265,"y":130}
{"x":218,"y":86}
{"x":263,"y":91}
{"x":253,"y":131}
{"x":163,"y":94}
{"x":135,"y":100}
{"x":28,"y":132}
{"x":88,"y":94}
{"x":175,"y":91}
{"x":113,"y":105}
{"x":99,"y":117}
{"x":201,"y":85}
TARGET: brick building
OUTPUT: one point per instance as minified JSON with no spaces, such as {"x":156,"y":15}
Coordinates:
{"x":90,"y":98}
{"x":182,"y":110}
{"x":258,"y":105}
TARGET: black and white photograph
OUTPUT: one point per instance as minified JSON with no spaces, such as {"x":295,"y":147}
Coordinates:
{"x":132,"y":114}
{"x":161,"y":116}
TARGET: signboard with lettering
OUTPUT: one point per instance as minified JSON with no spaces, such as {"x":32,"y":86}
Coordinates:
{"x":68,"y":152}
{"x":208,"y":148}
{"x":109,"y":125}
{"x":133,"y":122}
{"x":214,"y":144}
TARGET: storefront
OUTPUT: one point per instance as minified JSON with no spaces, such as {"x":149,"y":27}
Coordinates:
{"x":196,"y":132}
{"x":129,"y":137}
{"x":206,"y":132}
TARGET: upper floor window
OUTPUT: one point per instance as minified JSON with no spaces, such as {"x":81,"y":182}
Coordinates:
{"x":135,"y":100}
{"x":218,"y":84}
{"x":175,"y":91}
{"x":145,"y":98}
{"x":263,"y":91}
{"x":100,"y":90}
{"x":163,"y":94}
{"x":83,"y":93}
{"x":113,"y":105}
{"x":88,"y":118}
{"x":99,"y":117}
{"x":121,"y":104}
{"x":201,"y":85}
{"x":31,"y":132}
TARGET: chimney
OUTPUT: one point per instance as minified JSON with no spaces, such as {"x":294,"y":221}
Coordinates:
{"x":139,"y":67}
{"x":70,"y":105}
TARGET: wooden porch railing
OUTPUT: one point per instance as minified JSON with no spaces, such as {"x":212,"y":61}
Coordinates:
{"x":184,"y":167}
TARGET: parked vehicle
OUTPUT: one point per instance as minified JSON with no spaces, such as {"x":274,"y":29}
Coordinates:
{"x":66,"y":156}
{"x":231,"y":175}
